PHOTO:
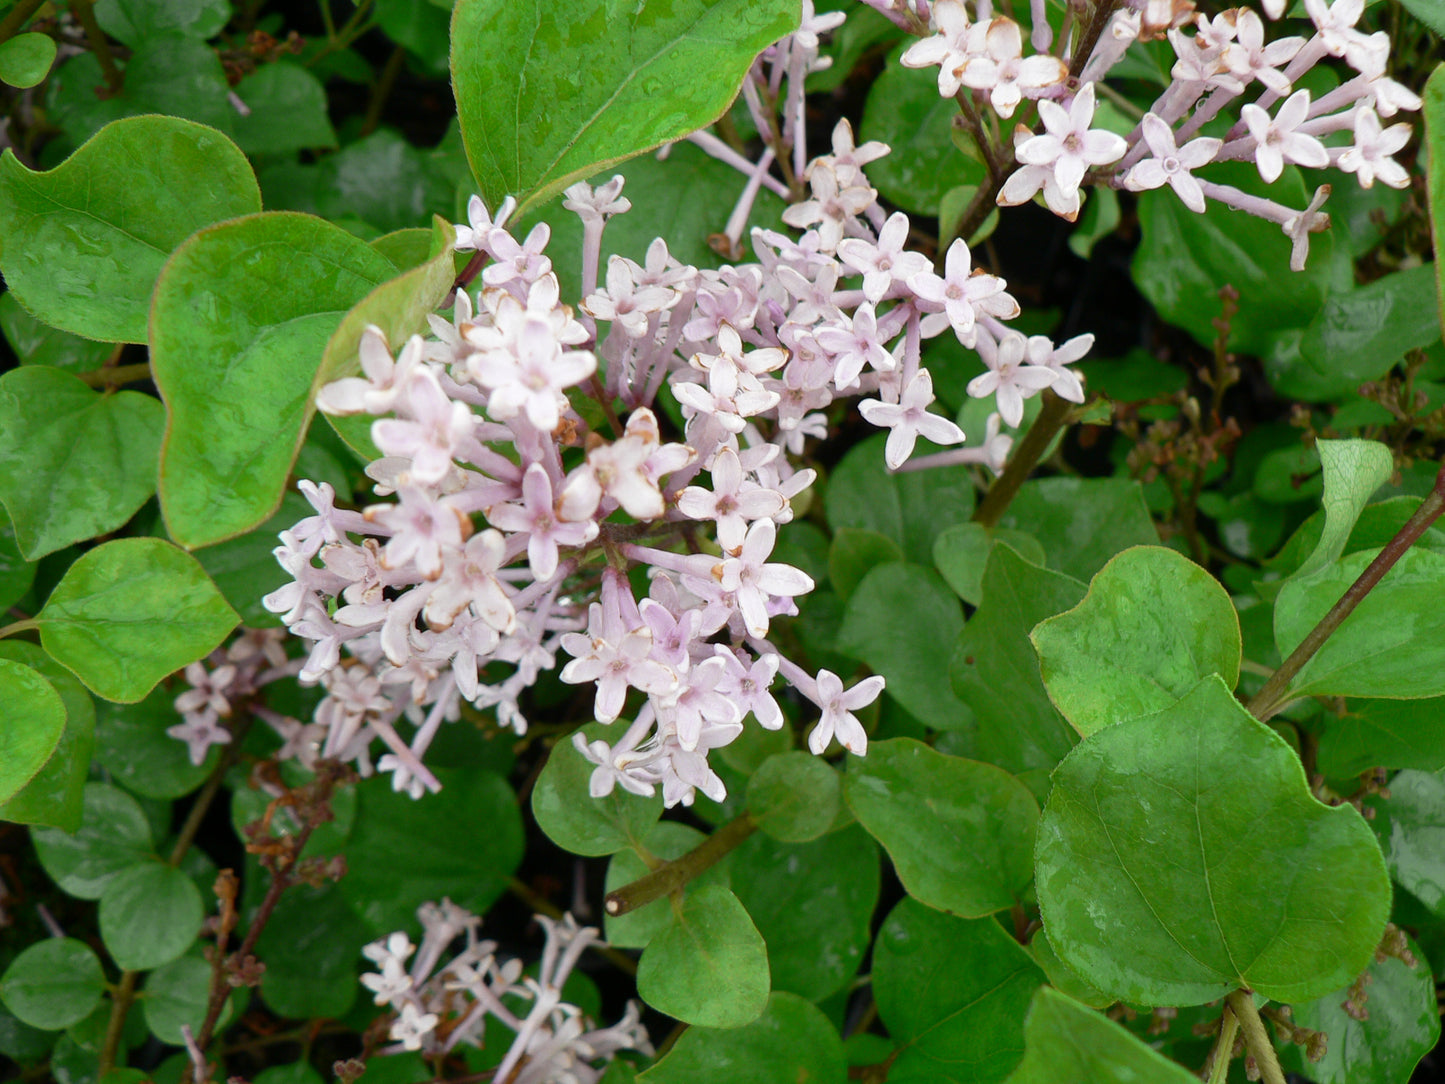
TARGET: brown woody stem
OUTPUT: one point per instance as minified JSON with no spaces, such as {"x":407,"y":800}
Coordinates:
{"x":667,"y":879}
{"x":1053,"y":418}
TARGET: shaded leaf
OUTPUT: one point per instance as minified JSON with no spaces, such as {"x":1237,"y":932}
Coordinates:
{"x":1064,"y":1040}
{"x":791,"y":1041}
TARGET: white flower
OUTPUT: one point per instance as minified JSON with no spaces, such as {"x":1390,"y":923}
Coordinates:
{"x":949,"y":47}
{"x":838,"y":707}
{"x":964,"y":293}
{"x":1171,"y":164}
{"x":998,"y":66}
{"x":1277,"y":141}
{"x":1066,"y":150}
{"x":1369,"y":159}
{"x":753,"y":583}
{"x":910,"y":419}
{"x":413,"y":1026}
{"x":1008,"y":378}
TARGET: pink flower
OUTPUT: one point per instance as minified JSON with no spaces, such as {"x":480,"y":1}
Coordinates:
{"x":754,"y":583}
{"x":910,"y":419}
{"x":1278,"y":141}
{"x":1171,"y":164}
{"x":1008,"y":378}
{"x":838,"y":707}
{"x":538,"y":516}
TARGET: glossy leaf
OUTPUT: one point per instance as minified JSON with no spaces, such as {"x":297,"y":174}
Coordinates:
{"x":1361,"y":334}
{"x":1376,"y":525}
{"x":912,"y":508}
{"x":995,"y":670}
{"x":1082,"y":522}
{"x":1401,"y":1026}
{"x":960,"y":832}
{"x":54,"y":795}
{"x":812,"y":903}
{"x":794,"y":797}
{"x":576,"y":821}
{"x":1383,"y":734}
{"x":710,"y":967}
{"x":961,"y":554}
{"x":176,"y":995}
{"x":1411,"y":827}
{"x":951,"y":992}
{"x":791,"y":1041}
{"x":1353,"y":470}
{"x":1184,"y":259}
{"x":1392,"y":645}
{"x":548,"y":94}
{"x":472,"y":869}
{"x":52,"y":984}
{"x":79,"y":468}
{"x":150,"y":914}
{"x":242,"y":314}
{"x":26,"y":58}
{"x":1434,"y":112}
{"x":84,"y":242}
{"x":854,"y":553}
{"x":1152,"y":625}
{"x":1063,"y":977}
{"x":35,"y":721}
{"x":113,"y":836}
{"x":905,"y":111}
{"x":16,"y":573}
{"x":665,"y":841}
{"x":910,"y":646}
{"x":36,"y":343}
{"x":1064,"y":1040}
{"x":287,"y":111}
{"x":1182,"y":855}
{"x":133,"y":21}
{"x":128,"y":613}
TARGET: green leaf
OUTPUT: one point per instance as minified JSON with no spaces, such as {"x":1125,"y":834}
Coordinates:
{"x":548,"y":94}
{"x":1082,"y":522}
{"x":1064,"y":1040}
{"x":1182,"y":855}
{"x":132,"y":745}
{"x":406,"y":248}
{"x":242,"y":314}
{"x":666,"y":840}
{"x":960,"y":832}
{"x":52,"y":984}
{"x":299,"y":1072}
{"x":576,"y":821}
{"x":149,"y":915}
{"x":1401,"y":1026}
{"x":36,"y":343}
{"x":961,"y":553}
{"x":951,"y":992}
{"x":794,"y":797}
{"x":710,"y":967}
{"x":35,"y":720}
{"x":995,"y":670}
{"x":245,"y":570}
{"x":176,"y":995}
{"x":128,"y":613}
{"x":26,"y":58}
{"x":812,"y":903}
{"x":470,"y":867}
{"x":854,"y":553}
{"x":54,"y":796}
{"x":912,"y":508}
{"x":82,"y":466}
{"x":1063,"y":977}
{"x":1376,"y":525}
{"x":1353,"y":470}
{"x":81,"y":245}
{"x":1392,"y":645}
{"x":16,"y":573}
{"x":133,"y":21}
{"x":287,"y":111}
{"x":1411,"y":828}
{"x":113,"y":836}
{"x":905,"y":111}
{"x":1383,"y":734}
{"x":1185,"y":259}
{"x":792,"y":1041}
{"x":1362,"y":333}
{"x":1434,"y":112}
{"x":910,"y":646}
{"x":321,"y":982}
{"x":1152,"y":625}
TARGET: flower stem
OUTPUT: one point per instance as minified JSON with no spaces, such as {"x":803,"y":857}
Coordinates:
{"x":1256,"y":1039}
{"x":1053,"y":418}
{"x":113,"y":376}
{"x":1275,"y":693}
{"x":669,"y":878}
{"x":85,"y":14}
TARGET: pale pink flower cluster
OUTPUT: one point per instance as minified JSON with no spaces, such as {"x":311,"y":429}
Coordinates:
{"x":440,"y":1006}
{"x":982,"y":55}
{"x":525,"y":469}
{"x":220,"y":682}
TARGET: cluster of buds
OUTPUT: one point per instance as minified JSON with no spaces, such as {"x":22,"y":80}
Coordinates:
{"x":1216,"y":66}
{"x":527,"y":474}
{"x":441,"y":1006}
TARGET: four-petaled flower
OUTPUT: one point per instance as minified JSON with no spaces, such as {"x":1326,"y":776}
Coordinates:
{"x":1171,"y":164}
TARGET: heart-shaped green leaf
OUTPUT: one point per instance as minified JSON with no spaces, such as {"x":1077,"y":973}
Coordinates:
{"x":1434,"y":112}
{"x":26,"y":58}
{"x":1152,"y":625}
{"x":54,"y":796}
{"x":792,"y":1041}
{"x":666,"y":840}
{"x":113,"y":835}
{"x":80,"y":467}
{"x":550,"y":93}
{"x":149,"y":915}
{"x":35,"y":720}
{"x":576,"y":821}
{"x":1383,"y":734}
{"x":1411,"y":827}
{"x":176,"y":995}
{"x":1082,"y":522}
{"x":53,"y":984}
{"x":81,"y":244}
{"x":243,"y":314}
{"x":1064,"y":1040}
{"x":961,"y":554}
{"x":1353,"y":470}
{"x":951,"y":992}
{"x":1181,"y":855}
{"x":794,"y":796}
{"x":129,"y":612}
{"x":710,"y":967}
{"x":960,"y":832}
